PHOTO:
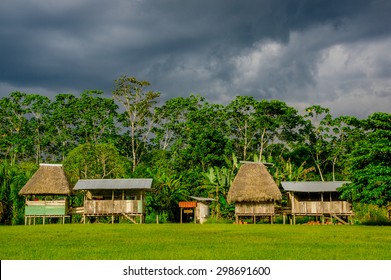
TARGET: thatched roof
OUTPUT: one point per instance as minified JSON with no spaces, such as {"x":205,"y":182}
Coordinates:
{"x":50,"y":179}
{"x":253,"y":183}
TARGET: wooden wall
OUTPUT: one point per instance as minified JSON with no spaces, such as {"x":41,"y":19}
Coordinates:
{"x":257,"y":208}
{"x":46,"y":208}
{"x":300,"y":207}
{"x":105,"y":207}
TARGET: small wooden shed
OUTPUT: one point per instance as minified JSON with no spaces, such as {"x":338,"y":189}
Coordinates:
{"x":198,"y":208}
{"x":254,"y":192}
{"x":316,"y":199}
{"x":47,"y":194}
{"x":114,"y":197}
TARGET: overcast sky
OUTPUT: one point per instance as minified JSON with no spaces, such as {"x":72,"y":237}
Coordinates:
{"x":305,"y":52}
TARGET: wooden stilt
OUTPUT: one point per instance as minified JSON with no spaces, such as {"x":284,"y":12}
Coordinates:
{"x":195,"y":215}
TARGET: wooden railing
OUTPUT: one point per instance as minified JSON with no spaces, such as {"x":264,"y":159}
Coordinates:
{"x":319,"y":207}
{"x":46,"y":208}
{"x":104,"y":207}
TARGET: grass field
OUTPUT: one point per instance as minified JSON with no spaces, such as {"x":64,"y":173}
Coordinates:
{"x":189,"y":241}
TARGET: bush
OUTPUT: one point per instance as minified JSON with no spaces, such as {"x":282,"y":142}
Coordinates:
{"x":368,"y":214}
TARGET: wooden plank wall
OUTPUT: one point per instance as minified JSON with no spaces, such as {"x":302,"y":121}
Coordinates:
{"x":319,"y":207}
{"x":254,"y":208}
{"x":46,"y":208}
{"x":103,"y":207}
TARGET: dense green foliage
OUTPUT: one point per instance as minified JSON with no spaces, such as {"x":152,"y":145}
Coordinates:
{"x":188,"y":145}
{"x":200,"y":242}
{"x":371,"y":163}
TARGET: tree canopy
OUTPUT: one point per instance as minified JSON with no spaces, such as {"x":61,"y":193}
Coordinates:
{"x":188,"y":144}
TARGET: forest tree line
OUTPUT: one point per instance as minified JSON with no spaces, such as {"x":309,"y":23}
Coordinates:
{"x":187,"y":145}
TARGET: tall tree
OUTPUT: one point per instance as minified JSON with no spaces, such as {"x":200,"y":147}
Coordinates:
{"x":276,"y":122}
{"x":240,"y":117}
{"x":316,"y":134}
{"x":38,"y":111}
{"x":61,"y":125}
{"x":138,"y":116}
{"x":14,"y":132}
{"x":97,"y":116}
{"x":94,"y":161}
{"x":371,"y":166}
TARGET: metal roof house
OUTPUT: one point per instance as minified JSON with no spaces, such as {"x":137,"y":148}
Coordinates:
{"x":47,"y":194}
{"x":316,"y":199}
{"x":114,"y":197}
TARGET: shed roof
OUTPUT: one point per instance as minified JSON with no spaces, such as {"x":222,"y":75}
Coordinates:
{"x":253,"y":183}
{"x":113,"y":184}
{"x":312,"y":186}
{"x":50,"y":179}
{"x":204,"y":199}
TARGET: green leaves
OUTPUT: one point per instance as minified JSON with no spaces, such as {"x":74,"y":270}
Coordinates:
{"x":371,"y":165}
{"x":94,"y":161}
{"x":217,"y":182}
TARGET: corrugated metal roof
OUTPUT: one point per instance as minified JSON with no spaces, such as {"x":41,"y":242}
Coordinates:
{"x":113,"y":184}
{"x":313,"y":186}
{"x":202,"y":198}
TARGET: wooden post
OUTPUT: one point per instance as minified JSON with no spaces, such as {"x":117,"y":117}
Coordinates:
{"x":112,"y":211}
{"x":293,"y":210}
{"x":283,"y":218}
{"x":181,"y":214}
{"x":157,"y":218}
{"x":195,"y":215}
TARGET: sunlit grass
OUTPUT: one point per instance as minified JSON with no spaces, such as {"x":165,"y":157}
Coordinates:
{"x":189,"y":241}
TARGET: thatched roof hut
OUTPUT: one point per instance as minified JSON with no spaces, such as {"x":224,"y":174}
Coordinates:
{"x":50,"y":179}
{"x":253,"y":183}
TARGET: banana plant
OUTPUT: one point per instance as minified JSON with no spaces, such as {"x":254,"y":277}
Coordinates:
{"x":217,"y":182}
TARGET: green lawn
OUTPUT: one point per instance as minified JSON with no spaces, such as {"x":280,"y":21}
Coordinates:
{"x":189,"y":241}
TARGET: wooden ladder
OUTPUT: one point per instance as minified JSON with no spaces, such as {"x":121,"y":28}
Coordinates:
{"x":339,"y":219}
{"x":129,"y":218}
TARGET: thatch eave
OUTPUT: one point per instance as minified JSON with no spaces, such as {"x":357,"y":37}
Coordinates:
{"x":50,"y":179}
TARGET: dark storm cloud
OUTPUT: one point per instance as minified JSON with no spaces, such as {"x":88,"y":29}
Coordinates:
{"x":269,"y":49}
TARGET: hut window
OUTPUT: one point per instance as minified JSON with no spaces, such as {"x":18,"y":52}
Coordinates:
{"x":309,"y":196}
{"x":334,"y":196}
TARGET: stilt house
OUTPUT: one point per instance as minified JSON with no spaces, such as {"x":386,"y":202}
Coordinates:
{"x":47,"y":194}
{"x":114,"y":197}
{"x":316,"y":199}
{"x":254,"y":192}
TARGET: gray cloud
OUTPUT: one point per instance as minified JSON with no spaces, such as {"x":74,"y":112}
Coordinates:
{"x":301,"y":51}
